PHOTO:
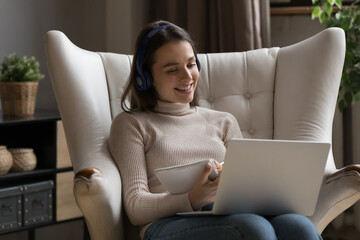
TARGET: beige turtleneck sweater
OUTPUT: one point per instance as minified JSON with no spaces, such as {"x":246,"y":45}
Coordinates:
{"x":176,"y":134}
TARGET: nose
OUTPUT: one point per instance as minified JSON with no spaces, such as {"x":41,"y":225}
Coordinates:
{"x":186,"y":74}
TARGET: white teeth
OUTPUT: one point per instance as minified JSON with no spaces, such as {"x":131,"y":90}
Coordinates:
{"x":185,"y":88}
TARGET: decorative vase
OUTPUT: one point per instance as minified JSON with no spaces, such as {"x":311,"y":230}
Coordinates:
{"x":18,"y":98}
{"x":24,"y":159}
{"x":6,"y":160}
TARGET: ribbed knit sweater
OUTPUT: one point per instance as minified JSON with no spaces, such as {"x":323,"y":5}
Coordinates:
{"x":175,"y":134}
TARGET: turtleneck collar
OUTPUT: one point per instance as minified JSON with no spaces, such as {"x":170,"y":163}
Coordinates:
{"x":177,"y":109}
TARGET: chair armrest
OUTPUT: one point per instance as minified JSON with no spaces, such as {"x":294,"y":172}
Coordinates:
{"x":87,"y":173}
{"x":98,"y":196}
{"x":353,"y":169}
{"x":341,"y":189}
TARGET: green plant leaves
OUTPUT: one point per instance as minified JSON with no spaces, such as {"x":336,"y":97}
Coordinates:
{"x":328,"y":8}
{"x":341,"y":105}
{"x":16,"y":69}
{"x":316,"y":12}
{"x":348,"y":97}
{"x":338,"y":3}
{"x":322,"y":17}
{"x":356,"y":97}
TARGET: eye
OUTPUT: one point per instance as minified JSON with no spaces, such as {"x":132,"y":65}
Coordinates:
{"x":174,"y":70}
{"x":191,"y":65}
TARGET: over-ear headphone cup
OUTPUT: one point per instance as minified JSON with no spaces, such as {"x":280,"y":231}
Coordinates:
{"x":139,"y":82}
{"x":143,"y":78}
{"x":147,"y":79}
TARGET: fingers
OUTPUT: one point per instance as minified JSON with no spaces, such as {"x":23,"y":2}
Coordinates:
{"x":218,"y":165}
{"x":219,"y":168}
{"x":205,"y":175}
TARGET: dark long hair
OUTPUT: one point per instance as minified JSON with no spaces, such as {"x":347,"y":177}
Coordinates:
{"x":147,"y":100}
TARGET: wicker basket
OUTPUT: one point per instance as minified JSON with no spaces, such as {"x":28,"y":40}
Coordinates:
{"x":24,"y":159}
{"x":6,"y":160}
{"x":18,"y":98}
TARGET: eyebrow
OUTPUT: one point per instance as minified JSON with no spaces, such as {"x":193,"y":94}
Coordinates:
{"x":175,"y":63}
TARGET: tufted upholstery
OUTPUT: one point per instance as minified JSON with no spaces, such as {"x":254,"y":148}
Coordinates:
{"x":238,"y":81}
{"x":280,"y":93}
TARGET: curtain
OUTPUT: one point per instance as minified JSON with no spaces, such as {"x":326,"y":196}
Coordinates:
{"x":218,"y":25}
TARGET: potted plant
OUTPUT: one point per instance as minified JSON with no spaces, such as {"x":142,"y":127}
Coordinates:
{"x":18,"y":85}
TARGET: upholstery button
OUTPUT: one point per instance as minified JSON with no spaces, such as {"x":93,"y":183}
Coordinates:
{"x":248,"y":95}
{"x":211,"y":99}
{"x":252,"y":131}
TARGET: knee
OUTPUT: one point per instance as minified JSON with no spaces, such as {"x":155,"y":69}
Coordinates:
{"x":294,"y":226}
{"x":252,"y":226}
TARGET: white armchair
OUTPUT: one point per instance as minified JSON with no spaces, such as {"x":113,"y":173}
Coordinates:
{"x":274,"y":93}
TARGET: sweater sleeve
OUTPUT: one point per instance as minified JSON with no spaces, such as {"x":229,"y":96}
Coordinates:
{"x":127,"y":147}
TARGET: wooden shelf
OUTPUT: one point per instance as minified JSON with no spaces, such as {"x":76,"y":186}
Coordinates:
{"x":291,"y":10}
{"x":274,"y":11}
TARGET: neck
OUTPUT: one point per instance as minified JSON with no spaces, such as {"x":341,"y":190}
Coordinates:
{"x":173,"y":108}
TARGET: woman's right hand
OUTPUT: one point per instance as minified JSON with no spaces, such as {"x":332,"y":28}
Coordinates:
{"x":204,"y":190}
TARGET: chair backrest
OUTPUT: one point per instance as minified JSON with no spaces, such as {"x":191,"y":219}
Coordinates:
{"x":231,"y":82}
{"x":275,"y":93}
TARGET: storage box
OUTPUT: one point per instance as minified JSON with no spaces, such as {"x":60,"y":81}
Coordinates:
{"x":10,"y":208}
{"x":38,"y":202}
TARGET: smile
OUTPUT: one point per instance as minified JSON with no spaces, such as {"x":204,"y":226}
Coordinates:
{"x":185,"y":88}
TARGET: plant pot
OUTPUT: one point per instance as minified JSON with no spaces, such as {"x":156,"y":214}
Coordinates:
{"x":18,"y":98}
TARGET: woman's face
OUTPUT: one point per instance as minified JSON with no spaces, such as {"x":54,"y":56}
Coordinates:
{"x":175,"y":72}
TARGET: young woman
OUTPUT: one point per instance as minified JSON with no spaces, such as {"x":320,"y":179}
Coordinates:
{"x":162,"y":126}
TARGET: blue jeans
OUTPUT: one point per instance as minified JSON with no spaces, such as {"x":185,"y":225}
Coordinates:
{"x":235,"y":226}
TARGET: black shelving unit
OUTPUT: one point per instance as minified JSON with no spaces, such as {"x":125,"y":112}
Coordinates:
{"x":38,"y":132}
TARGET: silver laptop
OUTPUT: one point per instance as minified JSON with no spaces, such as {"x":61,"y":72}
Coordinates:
{"x":270,"y":177}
